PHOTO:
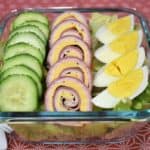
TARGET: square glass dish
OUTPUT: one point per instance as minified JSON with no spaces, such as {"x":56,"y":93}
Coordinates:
{"x":96,"y":123}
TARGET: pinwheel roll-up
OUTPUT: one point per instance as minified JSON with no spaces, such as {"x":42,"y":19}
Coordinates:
{"x":70,"y":24}
{"x":67,"y":94}
{"x":58,"y":47}
{"x":72,"y":67}
{"x":70,"y":15}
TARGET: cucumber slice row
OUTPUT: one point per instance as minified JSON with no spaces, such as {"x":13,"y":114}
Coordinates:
{"x":18,"y":93}
{"x":41,"y":26}
{"x":29,"y":28}
{"x":23,"y":70}
{"x":23,"y":59}
{"x":29,"y":38}
{"x":27,"y":16}
{"x":23,"y":48}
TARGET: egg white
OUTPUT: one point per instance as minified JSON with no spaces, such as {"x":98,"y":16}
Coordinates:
{"x":102,"y":79}
{"x":105,"y":54}
{"x":105,"y":100}
{"x":104,"y":35}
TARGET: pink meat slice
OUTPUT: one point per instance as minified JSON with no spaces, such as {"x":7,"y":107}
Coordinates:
{"x":70,"y":14}
{"x":71,"y":32}
{"x":76,"y":25}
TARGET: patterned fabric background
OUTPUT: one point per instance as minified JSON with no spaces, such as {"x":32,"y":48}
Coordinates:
{"x":141,"y":140}
{"x":141,"y":5}
{"x":138,"y":140}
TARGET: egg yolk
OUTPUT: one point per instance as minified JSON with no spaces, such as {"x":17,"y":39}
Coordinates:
{"x":123,"y":64}
{"x":120,"y":26}
{"x":125,"y":43}
{"x":127,"y":85}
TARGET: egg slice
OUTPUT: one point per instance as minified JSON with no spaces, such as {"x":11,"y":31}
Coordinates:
{"x":128,"y":87}
{"x":111,"y":31}
{"x":119,"y":67}
{"x":120,"y":46}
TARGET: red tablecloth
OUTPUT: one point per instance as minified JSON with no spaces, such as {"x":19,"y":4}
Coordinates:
{"x":138,"y":139}
{"x":141,"y":5}
{"x":141,"y":141}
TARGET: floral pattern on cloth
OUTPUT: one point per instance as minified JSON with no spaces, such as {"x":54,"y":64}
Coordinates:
{"x":140,"y":5}
{"x":139,"y":139}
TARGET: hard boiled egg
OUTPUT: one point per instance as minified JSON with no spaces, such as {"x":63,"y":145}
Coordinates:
{"x":119,"y":67}
{"x":128,"y":87}
{"x":111,"y":31}
{"x":120,"y":46}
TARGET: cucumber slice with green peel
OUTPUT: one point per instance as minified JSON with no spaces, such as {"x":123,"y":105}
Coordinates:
{"x":29,"y":38}
{"x":29,"y":28}
{"x":23,"y":48}
{"x":22,"y":70}
{"x":18,"y":93}
{"x":41,"y":26}
{"x":24,"y":59}
{"x":28,"y":16}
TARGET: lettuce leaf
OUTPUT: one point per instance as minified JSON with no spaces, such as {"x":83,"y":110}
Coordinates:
{"x":123,"y":106}
{"x":2,"y":45}
{"x":143,"y":100}
{"x":96,"y":21}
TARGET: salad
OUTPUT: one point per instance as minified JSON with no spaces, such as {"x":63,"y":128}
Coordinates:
{"x":74,"y":63}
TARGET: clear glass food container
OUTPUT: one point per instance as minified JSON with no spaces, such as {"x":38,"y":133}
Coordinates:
{"x":76,"y":127}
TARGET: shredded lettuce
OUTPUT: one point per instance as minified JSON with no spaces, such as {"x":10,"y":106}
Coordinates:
{"x":96,"y":65}
{"x":96,"y":21}
{"x":143,"y":100}
{"x":2,"y":44}
{"x":123,"y":106}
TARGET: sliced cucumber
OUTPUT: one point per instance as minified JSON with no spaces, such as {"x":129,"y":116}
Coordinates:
{"x":29,"y":38}
{"x":23,"y":59}
{"x":29,"y":28}
{"x":23,"y":70}
{"x":18,"y":93}
{"x":28,"y":16}
{"x":23,"y":48}
{"x":41,"y":26}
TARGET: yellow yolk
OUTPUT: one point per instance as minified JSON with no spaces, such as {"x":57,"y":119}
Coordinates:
{"x":123,"y":64}
{"x":126,"y":42}
{"x":127,"y":85}
{"x":121,"y":25}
